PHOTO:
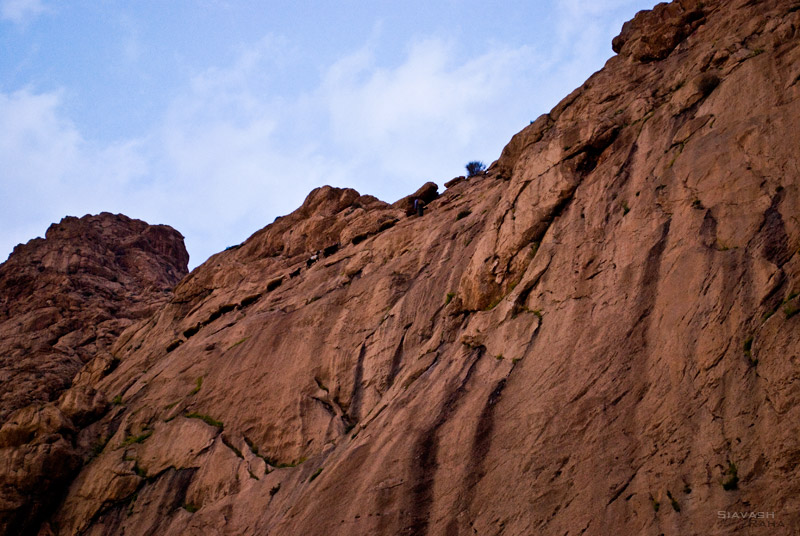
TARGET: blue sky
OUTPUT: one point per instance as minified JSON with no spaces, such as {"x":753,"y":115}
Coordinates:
{"x":216,"y":116}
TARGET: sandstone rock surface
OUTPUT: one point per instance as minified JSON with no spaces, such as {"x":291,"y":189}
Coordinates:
{"x":598,"y":336}
{"x":64,"y":300}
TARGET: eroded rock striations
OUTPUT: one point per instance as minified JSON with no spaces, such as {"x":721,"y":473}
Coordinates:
{"x":64,"y":300}
{"x":597,"y":336}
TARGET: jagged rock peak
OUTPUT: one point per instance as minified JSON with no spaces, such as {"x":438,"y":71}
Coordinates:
{"x":85,"y":244}
{"x":652,"y":34}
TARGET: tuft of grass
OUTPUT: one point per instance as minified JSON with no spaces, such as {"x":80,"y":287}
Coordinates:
{"x":191,"y":508}
{"x":198,"y":385}
{"x":499,"y":357}
{"x":494,"y":303}
{"x":538,"y":313}
{"x":131,"y":440}
{"x":139,"y":471}
{"x":237,"y":343}
{"x":315,"y":475}
{"x":117,"y":400}
{"x":655,"y":503}
{"x":206,"y":419}
{"x":449,"y":297}
{"x":731,"y":481}
{"x":98,"y":447}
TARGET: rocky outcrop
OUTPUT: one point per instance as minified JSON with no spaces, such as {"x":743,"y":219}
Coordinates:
{"x":64,"y":300}
{"x":597,"y":336}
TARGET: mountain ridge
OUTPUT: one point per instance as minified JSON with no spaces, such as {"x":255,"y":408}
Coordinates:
{"x":598,"y":335}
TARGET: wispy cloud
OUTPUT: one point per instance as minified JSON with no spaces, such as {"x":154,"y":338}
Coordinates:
{"x":50,"y":170}
{"x":424,"y":117}
{"x":233,"y":148}
{"x":21,"y":11}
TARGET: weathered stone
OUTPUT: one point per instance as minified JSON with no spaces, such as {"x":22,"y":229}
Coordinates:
{"x":604,"y":343}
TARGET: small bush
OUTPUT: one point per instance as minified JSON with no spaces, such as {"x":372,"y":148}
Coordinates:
{"x":130,"y":440}
{"x":475,"y":167}
{"x":656,"y":504}
{"x":141,"y":473}
{"x":315,"y":475}
{"x":98,"y":447}
{"x":449,"y":297}
{"x":731,"y":482}
{"x":198,"y":385}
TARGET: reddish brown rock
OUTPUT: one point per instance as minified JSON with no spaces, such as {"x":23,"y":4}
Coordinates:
{"x":426,"y":193}
{"x":64,"y":300}
{"x":604,"y":342}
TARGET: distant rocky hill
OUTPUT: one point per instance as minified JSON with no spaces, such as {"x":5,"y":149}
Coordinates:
{"x":599,"y":335}
{"x":64,"y":300}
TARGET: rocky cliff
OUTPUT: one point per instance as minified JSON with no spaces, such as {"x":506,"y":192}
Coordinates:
{"x":64,"y":300}
{"x":597,"y":336}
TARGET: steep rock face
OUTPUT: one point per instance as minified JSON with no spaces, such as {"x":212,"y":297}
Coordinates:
{"x":64,"y":300}
{"x":597,"y":336}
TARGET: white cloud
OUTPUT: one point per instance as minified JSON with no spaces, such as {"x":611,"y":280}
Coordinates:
{"x":50,"y":170}
{"x":426,"y":117}
{"x":20,"y":11}
{"x":233,"y":149}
